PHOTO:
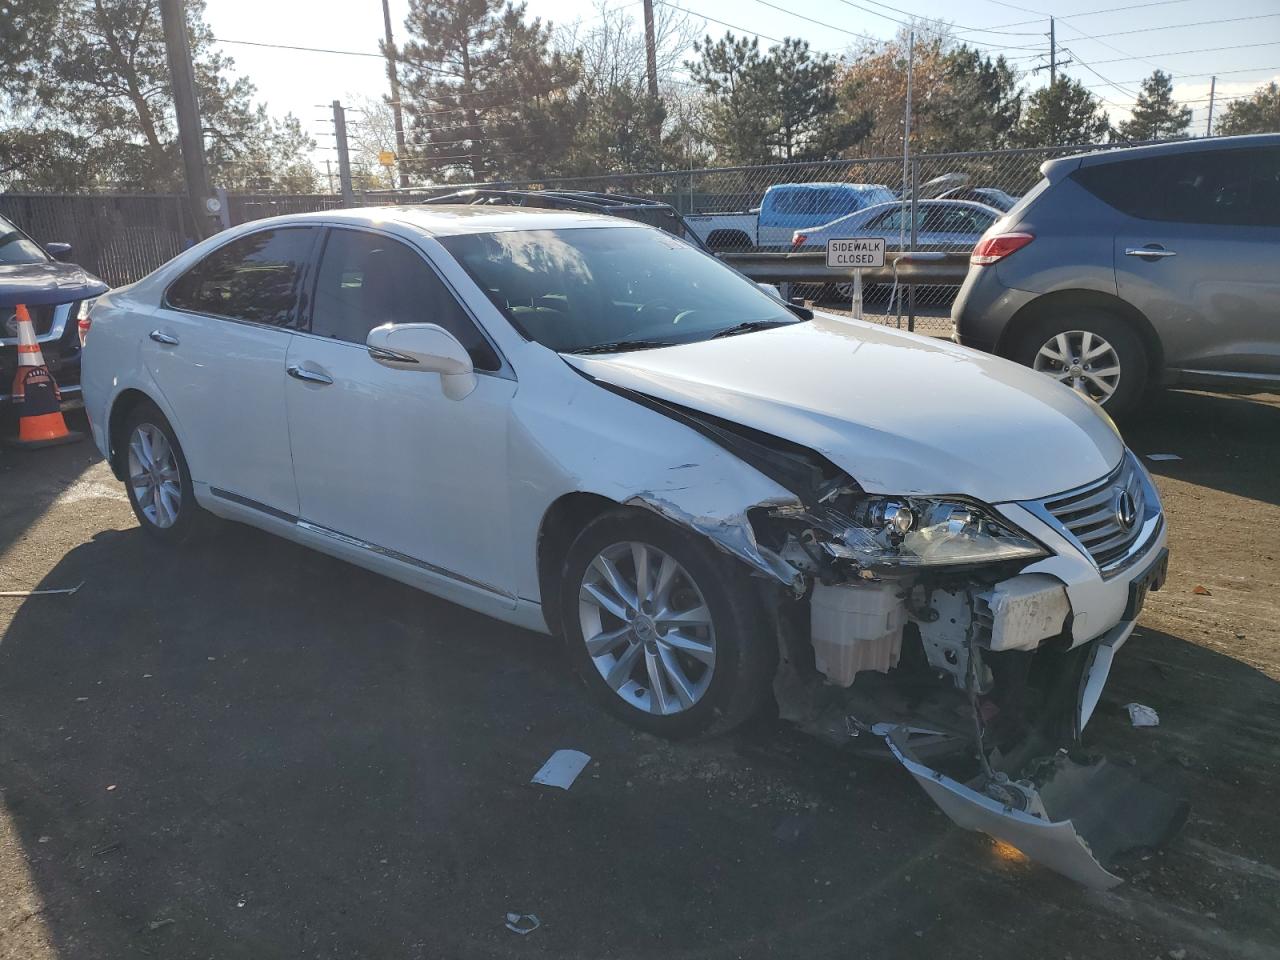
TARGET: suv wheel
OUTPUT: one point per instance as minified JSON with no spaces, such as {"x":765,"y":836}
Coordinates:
{"x":663,"y":629}
{"x":1091,"y":351}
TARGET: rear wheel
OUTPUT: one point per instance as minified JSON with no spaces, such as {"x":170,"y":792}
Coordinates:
{"x":662,"y":628}
{"x":1094,"y":352}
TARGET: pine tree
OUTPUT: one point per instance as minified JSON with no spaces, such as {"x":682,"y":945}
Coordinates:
{"x":1061,"y":114}
{"x":1259,"y":113}
{"x":488,"y":97}
{"x":1156,"y":116}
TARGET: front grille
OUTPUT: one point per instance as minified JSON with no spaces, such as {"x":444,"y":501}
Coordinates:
{"x":1093,"y":514}
{"x":41,"y":319}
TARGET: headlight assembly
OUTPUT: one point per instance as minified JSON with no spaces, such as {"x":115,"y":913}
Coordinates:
{"x":927,"y":532}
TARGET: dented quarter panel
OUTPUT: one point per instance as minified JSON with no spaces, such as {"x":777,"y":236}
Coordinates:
{"x":903,"y":414}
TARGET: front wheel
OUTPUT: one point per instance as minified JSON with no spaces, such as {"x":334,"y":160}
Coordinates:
{"x":158,"y":481}
{"x":1093,"y":352}
{"x":662,"y":628}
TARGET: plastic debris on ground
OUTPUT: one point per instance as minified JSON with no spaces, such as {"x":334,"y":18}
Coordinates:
{"x":1202,"y":591}
{"x":522,"y":923}
{"x":1141,"y":715}
{"x":562,"y":769}
{"x":1163,"y":456}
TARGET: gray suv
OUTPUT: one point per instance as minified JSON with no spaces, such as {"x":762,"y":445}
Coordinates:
{"x":1129,"y":268}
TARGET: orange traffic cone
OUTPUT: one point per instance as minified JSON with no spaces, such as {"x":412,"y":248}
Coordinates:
{"x":36,"y":398}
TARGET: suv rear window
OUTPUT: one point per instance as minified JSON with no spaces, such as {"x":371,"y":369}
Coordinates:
{"x":1230,"y":187}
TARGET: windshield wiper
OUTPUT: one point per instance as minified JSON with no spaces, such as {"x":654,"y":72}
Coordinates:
{"x":751,"y":326}
{"x":621,"y":346}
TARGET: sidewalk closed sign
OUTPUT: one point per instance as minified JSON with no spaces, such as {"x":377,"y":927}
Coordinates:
{"x":855,"y":253}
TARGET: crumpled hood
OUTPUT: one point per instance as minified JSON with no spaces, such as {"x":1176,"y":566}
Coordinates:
{"x":902,"y":413}
{"x":41,"y":283}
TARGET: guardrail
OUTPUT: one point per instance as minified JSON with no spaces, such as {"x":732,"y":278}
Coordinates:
{"x":914,"y":267}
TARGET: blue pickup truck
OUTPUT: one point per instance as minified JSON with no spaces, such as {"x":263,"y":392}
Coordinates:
{"x":785,"y":208}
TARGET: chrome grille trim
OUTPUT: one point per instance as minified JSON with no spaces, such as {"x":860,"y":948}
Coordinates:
{"x":1086,"y":516}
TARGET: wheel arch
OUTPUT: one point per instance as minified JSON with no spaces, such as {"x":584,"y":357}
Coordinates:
{"x":729,"y":239}
{"x":1061,"y":300}
{"x":561,"y":523}
{"x":124,"y":403}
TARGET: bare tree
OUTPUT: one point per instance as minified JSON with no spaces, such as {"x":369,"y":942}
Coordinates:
{"x":370,"y":131}
{"x":611,"y":44}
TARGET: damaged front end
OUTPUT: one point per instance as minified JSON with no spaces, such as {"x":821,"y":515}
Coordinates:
{"x":919,"y":624}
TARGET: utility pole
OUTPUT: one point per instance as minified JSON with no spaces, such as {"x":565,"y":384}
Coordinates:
{"x":344,"y":160}
{"x":393,"y":76}
{"x":1053,"y":54}
{"x":650,"y":49}
{"x":204,"y":206}
{"x":1213,"y":88}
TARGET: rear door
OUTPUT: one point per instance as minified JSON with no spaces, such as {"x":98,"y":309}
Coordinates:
{"x":216,"y":349}
{"x":1196,"y":252}
{"x":381,"y":455}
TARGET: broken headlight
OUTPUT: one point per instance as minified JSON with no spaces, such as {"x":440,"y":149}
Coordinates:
{"x":925,"y":531}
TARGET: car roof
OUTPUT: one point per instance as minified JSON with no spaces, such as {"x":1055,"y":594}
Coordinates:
{"x":443,"y":220}
{"x":1196,"y":145}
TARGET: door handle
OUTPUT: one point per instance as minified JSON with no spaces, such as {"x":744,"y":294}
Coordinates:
{"x":1154,"y":252}
{"x":308,"y":376}
{"x":167,"y":339}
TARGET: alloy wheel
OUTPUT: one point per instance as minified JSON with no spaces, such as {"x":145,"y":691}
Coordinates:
{"x":1083,"y":361}
{"x":647,"y":628}
{"x":154,"y":476}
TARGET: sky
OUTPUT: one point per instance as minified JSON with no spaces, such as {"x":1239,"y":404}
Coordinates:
{"x":1239,"y":40}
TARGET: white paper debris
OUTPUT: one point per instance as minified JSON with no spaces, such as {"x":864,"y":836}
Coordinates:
{"x":562,"y":769}
{"x":1163,"y":456}
{"x":1142,"y":716}
{"x":525,"y":923}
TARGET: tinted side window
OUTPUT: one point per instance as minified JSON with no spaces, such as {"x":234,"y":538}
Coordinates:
{"x":256,"y":278}
{"x":366,"y":280}
{"x":1213,"y":187}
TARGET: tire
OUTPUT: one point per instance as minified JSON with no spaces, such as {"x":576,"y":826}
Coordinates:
{"x":721,"y":688}
{"x":170,"y":519}
{"x":1041,"y":342}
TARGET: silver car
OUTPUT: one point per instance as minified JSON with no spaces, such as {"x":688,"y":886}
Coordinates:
{"x":1131,"y":268}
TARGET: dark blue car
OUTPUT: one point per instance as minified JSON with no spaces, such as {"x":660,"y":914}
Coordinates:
{"x":57,"y":294}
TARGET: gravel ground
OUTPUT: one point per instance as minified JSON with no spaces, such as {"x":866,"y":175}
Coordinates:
{"x":251,"y":750}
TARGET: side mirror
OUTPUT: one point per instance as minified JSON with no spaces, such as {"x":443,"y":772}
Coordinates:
{"x":426,"y":347}
{"x":772,"y":291}
{"x":59,"y":251}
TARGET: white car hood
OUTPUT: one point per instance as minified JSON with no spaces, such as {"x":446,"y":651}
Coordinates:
{"x":902,"y":413}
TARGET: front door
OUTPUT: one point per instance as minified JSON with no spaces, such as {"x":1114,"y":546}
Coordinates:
{"x":216,"y":348}
{"x":381,"y":455}
{"x":1199,"y":254}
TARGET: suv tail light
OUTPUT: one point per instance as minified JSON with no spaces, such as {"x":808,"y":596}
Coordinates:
{"x":998,"y":247}
{"x":798,"y":240}
{"x":83,"y":320}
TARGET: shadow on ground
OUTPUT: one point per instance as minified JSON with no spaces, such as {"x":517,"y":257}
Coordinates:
{"x":252,"y":750}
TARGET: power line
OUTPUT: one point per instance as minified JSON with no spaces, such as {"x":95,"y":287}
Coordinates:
{"x":1179,"y":53}
{"x":723,"y":23}
{"x":1091,"y":13}
{"x":905,"y":23}
{"x":1196,"y":76}
{"x":820,"y":23}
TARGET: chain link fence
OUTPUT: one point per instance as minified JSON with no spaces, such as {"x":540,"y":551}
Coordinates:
{"x":931,"y":202}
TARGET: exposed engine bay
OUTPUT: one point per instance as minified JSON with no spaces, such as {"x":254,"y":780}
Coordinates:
{"x":911,"y":620}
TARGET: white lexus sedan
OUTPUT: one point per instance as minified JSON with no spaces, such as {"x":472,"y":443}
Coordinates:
{"x":588,"y":427}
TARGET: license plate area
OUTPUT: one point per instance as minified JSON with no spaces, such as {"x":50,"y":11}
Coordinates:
{"x":1151,"y":579}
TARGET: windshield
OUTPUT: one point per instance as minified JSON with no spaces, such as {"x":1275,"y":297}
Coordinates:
{"x":621,"y":287}
{"x":15,"y":247}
